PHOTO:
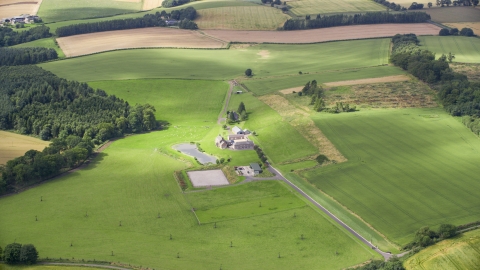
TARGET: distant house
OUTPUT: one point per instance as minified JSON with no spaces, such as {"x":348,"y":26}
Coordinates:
{"x":244,"y":144}
{"x":237,"y":130}
{"x":220,"y":142}
{"x":256,"y":168}
{"x":171,"y":22}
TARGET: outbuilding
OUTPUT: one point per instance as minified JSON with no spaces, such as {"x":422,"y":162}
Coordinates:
{"x":256,"y":168}
{"x":237,"y":130}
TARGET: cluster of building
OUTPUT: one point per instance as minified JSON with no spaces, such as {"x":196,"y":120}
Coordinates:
{"x":236,"y":141}
{"x":24,"y":18}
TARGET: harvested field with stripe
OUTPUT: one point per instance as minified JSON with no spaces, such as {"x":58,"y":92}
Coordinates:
{"x":305,"y":7}
{"x":454,"y":14}
{"x":395,"y":78}
{"x":325,"y":34}
{"x":135,"y":38}
{"x":10,"y":8}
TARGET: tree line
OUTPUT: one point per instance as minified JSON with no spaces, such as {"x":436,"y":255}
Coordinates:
{"x":173,"y":3}
{"x":346,"y":19}
{"x":467,"y":32}
{"x":458,"y":95}
{"x":391,"y":5}
{"x":8,"y":37}
{"x":26,"y":56}
{"x":184,"y":17}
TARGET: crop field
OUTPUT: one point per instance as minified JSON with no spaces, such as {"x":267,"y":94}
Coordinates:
{"x":465,"y":49}
{"x":155,"y":37}
{"x":151,"y":4}
{"x":475,"y":26}
{"x":241,"y":18}
{"x":325,"y":34}
{"x":462,"y":253}
{"x":454,"y":14}
{"x":11,"y":8}
{"x":426,"y":150}
{"x":13,"y":145}
{"x":270,"y":85}
{"x":65,"y":10}
{"x":44,"y":42}
{"x":172,"y":98}
{"x":265,"y":60}
{"x":313,"y":7}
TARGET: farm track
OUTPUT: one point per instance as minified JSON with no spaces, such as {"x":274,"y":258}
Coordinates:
{"x":86,"y":265}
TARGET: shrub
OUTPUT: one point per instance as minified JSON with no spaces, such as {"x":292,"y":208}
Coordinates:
{"x":321,"y":159}
{"x":444,"y":32}
{"x":28,"y":254}
{"x":466,"y":32}
{"x":248,"y":72}
{"x":12,"y":253}
{"x":454,"y":31}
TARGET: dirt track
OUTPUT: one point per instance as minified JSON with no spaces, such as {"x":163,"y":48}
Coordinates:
{"x":156,"y":37}
{"x":325,"y":34}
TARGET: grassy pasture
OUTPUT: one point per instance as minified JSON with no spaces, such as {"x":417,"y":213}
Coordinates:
{"x":313,"y":7}
{"x":241,"y":18}
{"x":265,"y":60}
{"x":65,"y":10}
{"x":462,"y":252}
{"x":173,"y":98}
{"x":465,"y":49}
{"x":270,"y":85}
{"x":44,"y":42}
{"x":407,"y":169}
{"x":13,"y":145}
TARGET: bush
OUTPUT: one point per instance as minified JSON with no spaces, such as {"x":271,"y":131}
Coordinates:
{"x":444,"y":32}
{"x":454,"y":31}
{"x":28,"y":254}
{"x":248,"y":72}
{"x":321,"y":159}
{"x":12,"y":253}
{"x":466,"y":32}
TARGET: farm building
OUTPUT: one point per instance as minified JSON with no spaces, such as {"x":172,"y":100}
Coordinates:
{"x":237,"y":130}
{"x":256,"y":168}
{"x":233,"y":137}
{"x":244,"y":144}
{"x":220,"y":142}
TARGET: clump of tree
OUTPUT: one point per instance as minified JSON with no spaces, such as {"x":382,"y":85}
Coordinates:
{"x":248,"y":72}
{"x":443,"y":3}
{"x":415,"y":5}
{"x":425,"y":237}
{"x":346,"y":19}
{"x":184,"y":17}
{"x":317,"y":94}
{"x":173,"y":3}
{"x":16,"y":253}
{"x":260,"y":154}
{"x":394,"y":263}
{"x":321,"y":159}
{"x":26,"y":56}
{"x":468,"y":32}
{"x":390,"y":5}
{"x":242,"y":111}
{"x":8,"y":37}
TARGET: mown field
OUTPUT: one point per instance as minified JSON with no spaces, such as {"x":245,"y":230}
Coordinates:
{"x":44,"y":42}
{"x":13,"y":145}
{"x":131,"y":183}
{"x":407,"y":169}
{"x":461,"y":253}
{"x":465,"y":49}
{"x":264,"y":60}
{"x":241,"y":18}
{"x":313,"y":7}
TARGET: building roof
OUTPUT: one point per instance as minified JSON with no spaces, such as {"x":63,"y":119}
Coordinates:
{"x":236,"y":129}
{"x":219,"y":139}
{"x":243,"y":142}
{"x":255,"y":167}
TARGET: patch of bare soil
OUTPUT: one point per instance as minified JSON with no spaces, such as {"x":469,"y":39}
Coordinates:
{"x":301,"y":121}
{"x":264,"y":54}
{"x":396,"y":78}
{"x":325,"y":34}
{"x":409,"y":94}
{"x":472,"y":71}
{"x":291,"y":90}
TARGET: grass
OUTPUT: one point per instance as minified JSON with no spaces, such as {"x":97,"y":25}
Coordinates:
{"x":270,"y":85}
{"x":462,"y":252}
{"x":265,"y":61}
{"x":407,"y":169}
{"x":313,"y":7}
{"x":241,"y":18}
{"x":44,"y":42}
{"x":44,"y":267}
{"x":173,"y":98}
{"x":246,"y":200}
{"x":465,"y":49}
{"x":13,"y":145}
{"x":61,"y":10}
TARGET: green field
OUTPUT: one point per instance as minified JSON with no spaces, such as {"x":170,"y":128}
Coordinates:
{"x":44,"y":267}
{"x":465,"y":49}
{"x":241,"y":18}
{"x":269,"y":85}
{"x":313,"y":7}
{"x":264,"y":60}
{"x":65,"y":10}
{"x":461,"y":253}
{"x":407,"y":169}
{"x":44,"y":42}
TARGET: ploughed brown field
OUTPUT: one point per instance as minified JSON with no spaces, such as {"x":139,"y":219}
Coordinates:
{"x":325,"y":34}
{"x":157,"y":37}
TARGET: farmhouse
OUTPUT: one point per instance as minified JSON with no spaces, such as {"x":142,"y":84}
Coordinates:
{"x":237,"y":130}
{"x":233,"y":137}
{"x":243,"y":144}
{"x":220,"y":142}
{"x":256,"y":168}
{"x":235,"y":142}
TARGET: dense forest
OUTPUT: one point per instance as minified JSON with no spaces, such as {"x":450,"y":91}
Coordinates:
{"x":459,"y":96}
{"x":72,"y":114}
{"x":25,"y":56}
{"x":345,"y":19}
{"x":8,"y":37}
{"x":184,"y":17}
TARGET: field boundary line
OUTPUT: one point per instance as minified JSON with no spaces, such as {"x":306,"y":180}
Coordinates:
{"x":85,"y":265}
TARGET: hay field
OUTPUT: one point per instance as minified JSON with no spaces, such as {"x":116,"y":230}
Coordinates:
{"x":313,"y":7}
{"x":13,"y":145}
{"x":154,"y":37}
{"x":11,"y":8}
{"x":151,"y":4}
{"x":461,"y":253}
{"x":407,"y":168}
{"x":465,"y":49}
{"x":454,"y":14}
{"x":325,"y":34}
{"x":241,"y":18}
